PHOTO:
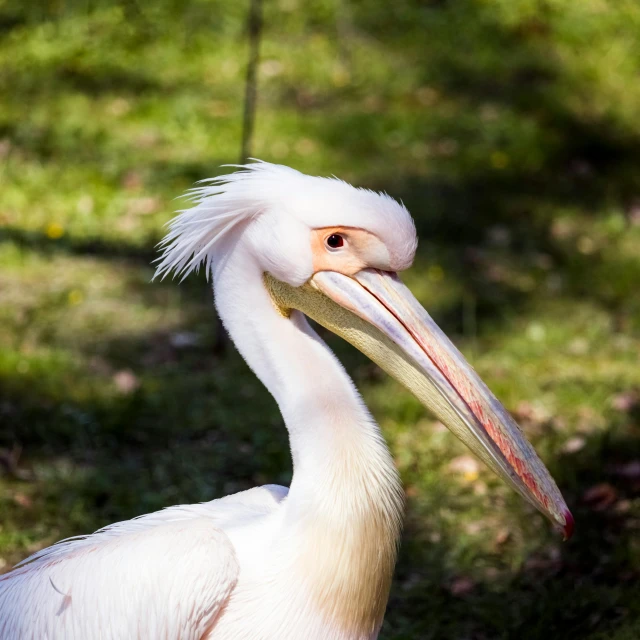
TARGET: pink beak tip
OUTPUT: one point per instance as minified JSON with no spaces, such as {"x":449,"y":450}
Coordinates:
{"x":569,"y":524}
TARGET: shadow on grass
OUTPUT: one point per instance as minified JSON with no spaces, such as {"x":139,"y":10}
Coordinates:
{"x":585,"y":156}
{"x":99,"y":247}
{"x":143,"y":422}
{"x":587,"y":587}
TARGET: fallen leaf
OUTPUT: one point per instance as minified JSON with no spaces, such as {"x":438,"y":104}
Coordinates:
{"x":411,"y":491}
{"x":600,"y":497}
{"x":502,"y":536}
{"x":528,"y":412}
{"x":99,"y":365}
{"x":548,"y":559}
{"x":144,"y":205}
{"x":132,"y":181}
{"x":622,"y":506}
{"x":126,"y":381}
{"x":474,"y":527}
{"x":461,"y":586}
{"x":625,"y":401}
{"x":438,"y":427}
{"x":23,"y":500}
{"x":466,"y":466}
{"x":634,"y":215}
{"x":573,"y":445}
{"x":578,"y":346}
{"x":491,"y":573}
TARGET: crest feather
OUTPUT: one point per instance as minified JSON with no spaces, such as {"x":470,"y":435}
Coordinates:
{"x":221,"y":203}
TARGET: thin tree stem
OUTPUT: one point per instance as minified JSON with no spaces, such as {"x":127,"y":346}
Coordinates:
{"x":251,"y":93}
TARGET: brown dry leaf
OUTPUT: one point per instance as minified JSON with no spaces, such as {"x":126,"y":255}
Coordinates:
{"x":126,"y":223}
{"x":578,"y":346}
{"x":588,"y":419}
{"x":573,"y":445}
{"x":126,"y":381}
{"x":23,"y":500}
{"x":600,"y":496}
{"x":99,"y":365}
{"x":479,"y":488}
{"x":461,"y":586}
{"x":547,"y":559}
{"x":622,"y":507}
{"x":144,"y":205}
{"x":502,"y":536}
{"x":411,"y":491}
{"x":5,"y":147}
{"x":438,"y":427}
{"x":474,"y":527}
{"x":533,"y":414}
{"x":634,"y":214}
{"x":625,"y":401}
{"x":132,"y":181}
{"x":558,"y":423}
{"x":562,"y":228}
{"x":491,"y":573}
{"x":466,"y":466}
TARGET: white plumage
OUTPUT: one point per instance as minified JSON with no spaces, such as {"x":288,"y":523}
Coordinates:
{"x":285,"y":198}
{"x":162,"y":575}
{"x":312,"y":562}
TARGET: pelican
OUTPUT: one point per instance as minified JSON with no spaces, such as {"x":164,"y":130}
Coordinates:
{"x":313,"y":561}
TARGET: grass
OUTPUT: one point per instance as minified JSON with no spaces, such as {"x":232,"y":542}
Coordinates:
{"x":510,"y":128}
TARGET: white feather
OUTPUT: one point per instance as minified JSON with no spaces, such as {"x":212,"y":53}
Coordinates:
{"x":162,"y":575}
{"x":228,"y":201}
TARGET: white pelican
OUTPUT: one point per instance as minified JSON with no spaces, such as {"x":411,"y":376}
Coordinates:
{"x":312,"y":562}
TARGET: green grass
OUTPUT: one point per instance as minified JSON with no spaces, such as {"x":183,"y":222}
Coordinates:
{"x":511,"y":129}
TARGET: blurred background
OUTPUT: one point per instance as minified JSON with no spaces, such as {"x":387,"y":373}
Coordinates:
{"x":511,"y":130}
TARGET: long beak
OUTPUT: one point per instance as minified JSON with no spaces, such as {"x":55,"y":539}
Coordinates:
{"x":376,"y":313}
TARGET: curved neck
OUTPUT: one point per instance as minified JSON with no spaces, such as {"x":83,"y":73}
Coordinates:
{"x":343,"y":511}
{"x":318,"y":401}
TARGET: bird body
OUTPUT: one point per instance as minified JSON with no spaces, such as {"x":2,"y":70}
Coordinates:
{"x":314,"y":561}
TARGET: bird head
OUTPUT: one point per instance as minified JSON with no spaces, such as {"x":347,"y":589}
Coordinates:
{"x":333,"y":252}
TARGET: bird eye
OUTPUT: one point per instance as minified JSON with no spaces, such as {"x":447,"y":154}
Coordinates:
{"x":335,"y":241}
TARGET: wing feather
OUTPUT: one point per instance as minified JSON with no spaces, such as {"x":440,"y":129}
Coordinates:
{"x":165,"y":575}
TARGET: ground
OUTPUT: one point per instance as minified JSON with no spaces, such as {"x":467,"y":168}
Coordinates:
{"x":510,"y":128}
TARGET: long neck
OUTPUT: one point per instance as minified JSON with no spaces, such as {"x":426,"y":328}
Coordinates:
{"x":345,"y":502}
